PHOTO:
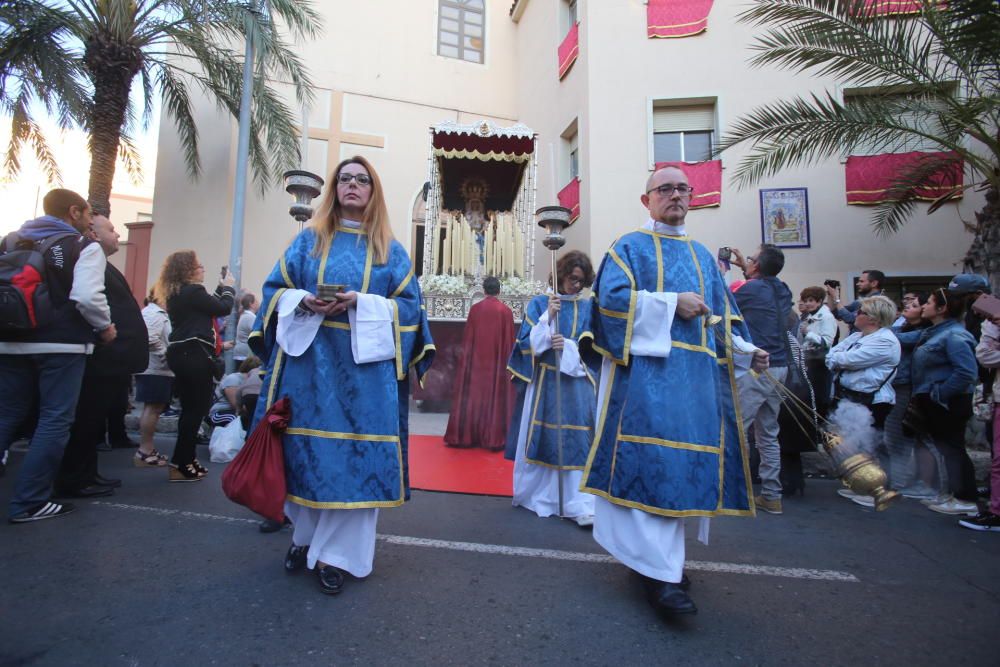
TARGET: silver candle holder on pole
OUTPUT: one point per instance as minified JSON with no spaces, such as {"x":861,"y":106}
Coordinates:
{"x":304,"y":186}
{"x":554,"y":220}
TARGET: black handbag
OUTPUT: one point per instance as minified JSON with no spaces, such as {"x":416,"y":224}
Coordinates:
{"x":914,"y":420}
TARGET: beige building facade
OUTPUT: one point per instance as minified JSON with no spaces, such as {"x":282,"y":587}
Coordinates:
{"x":386,"y":71}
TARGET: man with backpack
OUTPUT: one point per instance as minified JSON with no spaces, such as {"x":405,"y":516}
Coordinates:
{"x":52,"y":311}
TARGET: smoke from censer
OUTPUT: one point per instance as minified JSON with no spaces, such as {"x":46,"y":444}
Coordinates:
{"x":853,"y":423}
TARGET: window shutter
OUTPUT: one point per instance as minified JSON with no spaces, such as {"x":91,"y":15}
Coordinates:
{"x":686,"y":118}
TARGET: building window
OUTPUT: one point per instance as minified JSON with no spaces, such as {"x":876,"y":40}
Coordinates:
{"x":683,"y":132}
{"x":920,"y":117}
{"x":461,"y":25}
{"x":569,"y":153}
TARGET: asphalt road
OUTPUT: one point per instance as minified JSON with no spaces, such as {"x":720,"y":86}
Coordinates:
{"x":174,"y":574}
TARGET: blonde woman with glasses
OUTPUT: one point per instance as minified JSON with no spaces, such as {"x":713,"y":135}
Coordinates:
{"x":863,"y":365}
{"x":340,"y":325}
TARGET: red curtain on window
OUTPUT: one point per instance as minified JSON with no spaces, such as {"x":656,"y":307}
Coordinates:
{"x":886,"y":7}
{"x":705,"y":178}
{"x":569,"y":50}
{"x":569,"y":197}
{"x":869,"y":177}
{"x":676,"y":18}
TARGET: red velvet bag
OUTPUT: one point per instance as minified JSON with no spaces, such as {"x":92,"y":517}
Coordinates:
{"x":256,"y":477}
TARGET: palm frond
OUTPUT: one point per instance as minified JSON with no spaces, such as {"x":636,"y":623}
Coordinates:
{"x":836,"y":37}
{"x":926,"y":82}
{"x":179,"y":44}
{"x":130,"y":158}
{"x":24,"y":130}
{"x":177,"y":105}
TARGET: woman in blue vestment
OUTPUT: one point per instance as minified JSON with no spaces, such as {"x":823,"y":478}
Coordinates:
{"x":533,"y":361}
{"x":343,"y":361}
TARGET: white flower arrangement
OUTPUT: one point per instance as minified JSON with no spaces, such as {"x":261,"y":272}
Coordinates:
{"x":516,"y":286}
{"x":443,"y":284}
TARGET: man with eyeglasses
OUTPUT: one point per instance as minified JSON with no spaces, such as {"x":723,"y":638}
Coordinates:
{"x":668,"y":444}
{"x":869,"y":284}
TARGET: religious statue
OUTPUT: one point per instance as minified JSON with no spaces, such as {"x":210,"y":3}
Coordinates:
{"x":474,"y":191}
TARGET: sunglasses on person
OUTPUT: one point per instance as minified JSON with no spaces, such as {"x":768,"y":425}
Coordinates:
{"x":362,"y":179}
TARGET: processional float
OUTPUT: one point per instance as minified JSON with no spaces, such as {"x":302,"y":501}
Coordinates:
{"x":479,"y":217}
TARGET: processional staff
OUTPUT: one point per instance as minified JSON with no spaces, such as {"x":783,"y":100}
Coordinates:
{"x":555,"y":219}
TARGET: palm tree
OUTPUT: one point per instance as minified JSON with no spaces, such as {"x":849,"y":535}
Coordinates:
{"x":78,"y":61}
{"x":936,"y":82}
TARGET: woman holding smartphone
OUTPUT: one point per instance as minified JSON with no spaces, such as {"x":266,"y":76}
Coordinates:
{"x":339,"y":328}
{"x":191,"y":350}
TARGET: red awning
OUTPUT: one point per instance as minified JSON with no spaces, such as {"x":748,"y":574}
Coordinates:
{"x":496,"y":155}
{"x":569,"y":197}
{"x":870,"y":177}
{"x":476,"y":146}
{"x":569,"y":50}
{"x":676,"y":18}
{"x":705,"y":178}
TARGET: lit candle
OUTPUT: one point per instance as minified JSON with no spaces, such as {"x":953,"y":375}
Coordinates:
{"x":446,"y":260}
{"x":456,"y":248}
{"x":510,"y":243}
{"x":488,"y":249}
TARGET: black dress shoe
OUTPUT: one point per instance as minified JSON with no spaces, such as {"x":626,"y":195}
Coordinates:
{"x":272,"y":526}
{"x":89,"y":491}
{"x":331,"y":579}
{"x":685,"y":583}
{"x":295,"y":559}
{"x":101,"y":480}
{"x":667,"y":598}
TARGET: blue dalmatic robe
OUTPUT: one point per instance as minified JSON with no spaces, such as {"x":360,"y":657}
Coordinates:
{"x":669,"y":434}
{"x":345,"y":446}
{"x":578,"y":393}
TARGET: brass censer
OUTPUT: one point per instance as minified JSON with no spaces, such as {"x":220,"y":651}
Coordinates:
{"x":859,"y":472}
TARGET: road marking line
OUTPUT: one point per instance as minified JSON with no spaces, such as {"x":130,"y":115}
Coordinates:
{"x":550,"y":554}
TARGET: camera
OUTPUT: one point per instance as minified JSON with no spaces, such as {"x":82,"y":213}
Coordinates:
{"x":835,"y":284}
{"x":725,"y":253}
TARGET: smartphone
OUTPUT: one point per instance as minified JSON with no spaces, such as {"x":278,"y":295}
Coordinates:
{"x":725,"y":255}
{"x":225,"y":270}
{"x":988,"y":306}
{"x":328,"y":292}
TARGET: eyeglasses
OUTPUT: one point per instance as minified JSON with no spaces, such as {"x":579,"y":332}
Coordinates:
{"x":574,"y":280}
{"x":865,"y":313}
{"x":362,"y":179}
{"x":668,"y":189}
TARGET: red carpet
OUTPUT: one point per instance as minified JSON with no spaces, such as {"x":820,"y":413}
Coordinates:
{"x":434,"y":467}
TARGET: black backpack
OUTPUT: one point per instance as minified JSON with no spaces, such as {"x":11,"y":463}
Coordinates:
{"x":25,"y":302}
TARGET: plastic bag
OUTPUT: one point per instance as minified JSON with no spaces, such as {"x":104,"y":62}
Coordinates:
{"x":256,"y":477}
{"x":226,"y":442}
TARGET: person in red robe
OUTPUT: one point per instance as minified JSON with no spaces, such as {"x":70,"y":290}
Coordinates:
{"x":484,"y":395}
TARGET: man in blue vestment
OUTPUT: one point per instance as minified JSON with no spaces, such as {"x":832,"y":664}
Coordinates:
{"x":669,"y":440}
